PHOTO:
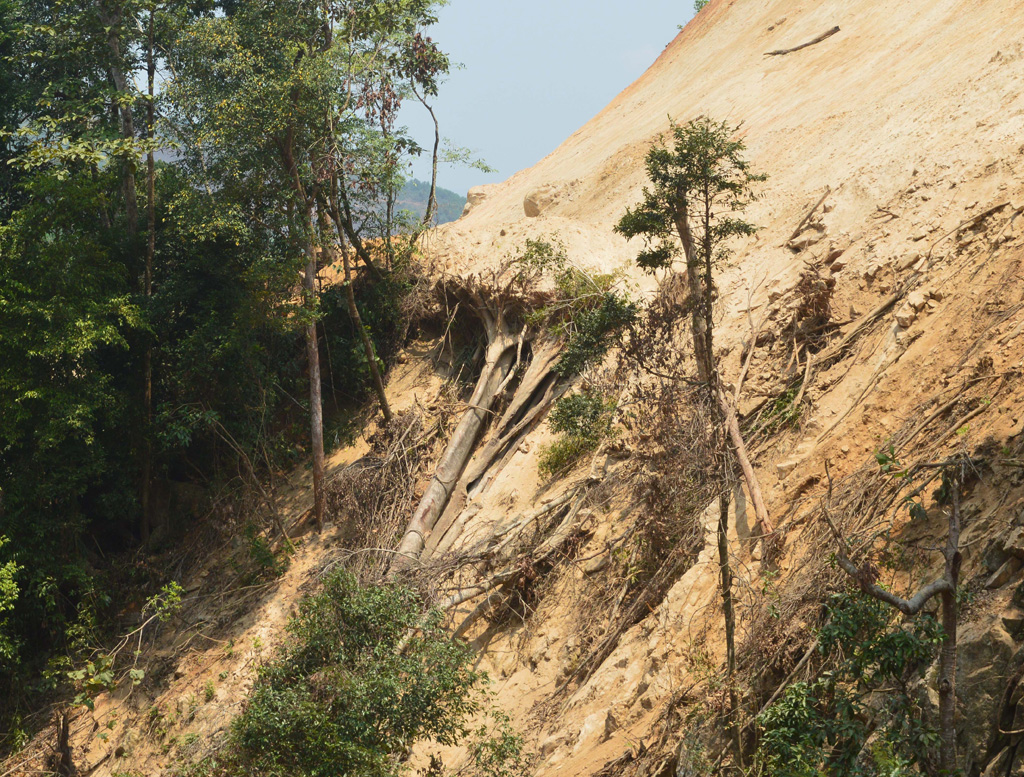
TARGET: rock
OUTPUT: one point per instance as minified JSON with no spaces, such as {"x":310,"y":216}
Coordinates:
{"x":1014,"y":625}
{"x":611,"y":725}
{"x":541,"y":199}
{"x":872,"y":270}
{"x":809,"y":237}
{"x":1013,"y":542}
{"x":1005,"y":573}
{"x":909,"y":260}
{"x":917,"y":300}
{"x":985,"y":650}
{"x":550,"y":744}
{"x":919,"y":235}
{"x":474,"y":197}
{"x":595,"y":565}
{"x":906,"y":315}
{"x":787,"y":466}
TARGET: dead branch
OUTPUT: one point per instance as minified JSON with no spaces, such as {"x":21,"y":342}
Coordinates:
{"x":764,"y":522}
{"x":819,"y":39}
{"x":814,"y":208}
{"x":969,"y":222}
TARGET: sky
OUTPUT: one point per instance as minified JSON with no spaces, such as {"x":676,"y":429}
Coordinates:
{"x":533,"y":72}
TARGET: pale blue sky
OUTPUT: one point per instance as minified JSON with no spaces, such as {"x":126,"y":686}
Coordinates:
{"x":535,"y":71}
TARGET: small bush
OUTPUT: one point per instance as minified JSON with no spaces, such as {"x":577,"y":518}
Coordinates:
{"x":586,"y":309}
{"x":860,"y":718}
{"x":340,"y":699}
{"x":583,"y":420}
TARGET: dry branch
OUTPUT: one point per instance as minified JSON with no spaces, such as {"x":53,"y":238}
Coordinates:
{"x":819,"y":39}
{"x":810,"y":213}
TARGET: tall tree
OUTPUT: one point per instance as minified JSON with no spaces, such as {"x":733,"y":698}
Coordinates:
{"x":700,"y":182}
{"x":297,"y":100}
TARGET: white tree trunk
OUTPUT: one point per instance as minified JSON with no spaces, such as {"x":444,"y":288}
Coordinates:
{"x":500,"y":355}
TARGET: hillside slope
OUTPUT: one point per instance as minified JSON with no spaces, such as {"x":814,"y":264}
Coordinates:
{"x":906,"y":130}
{"x":912,"y":117}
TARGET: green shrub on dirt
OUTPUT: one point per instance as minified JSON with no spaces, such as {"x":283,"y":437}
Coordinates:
{"x":340,"y":697}
{"x":859,"y":717}
{"x":586,"y":309}
{"x":582,"y":420}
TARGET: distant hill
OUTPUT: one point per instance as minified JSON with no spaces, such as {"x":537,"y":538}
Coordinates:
{"x":413,"y":197}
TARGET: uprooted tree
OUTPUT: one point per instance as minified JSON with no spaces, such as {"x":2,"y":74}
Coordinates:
{"x":544,"y":320}
{"x":700,"y":182}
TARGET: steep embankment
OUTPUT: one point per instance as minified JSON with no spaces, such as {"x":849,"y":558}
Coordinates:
{"x":912,"y":118}
{"x":905,"y":133}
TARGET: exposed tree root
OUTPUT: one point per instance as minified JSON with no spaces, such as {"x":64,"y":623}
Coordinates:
{"x":538,"y":379}
{"x":499,"y":301}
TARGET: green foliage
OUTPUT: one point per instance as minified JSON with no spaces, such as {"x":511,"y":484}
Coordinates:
{"x":8,"y":596}
{"x":586,"y":309}
{"x":222,"y":328}
{"x":702,"y":175}
{"x":340,"y":699}
{"x":783,"y":412}
{"x":698,"y":5}
{"x":822,"y":727}
{"x":165,"y":604}
{"x":582,"y":420}
{"x":497,"y":750}
{"x":94,"y":678}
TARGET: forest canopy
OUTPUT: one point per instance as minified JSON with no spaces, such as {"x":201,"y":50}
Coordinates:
{"x":173,"y":177}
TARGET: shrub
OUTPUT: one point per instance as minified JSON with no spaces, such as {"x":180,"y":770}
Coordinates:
{"x":339,"y":698}
{"x":582,"y":419}
{"x":865,"y":699}
{"x":586,"y":309}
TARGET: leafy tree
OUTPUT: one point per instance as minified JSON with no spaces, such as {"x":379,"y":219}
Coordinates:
{"x":342,"y":696}
{"x":700,"y":182}
{"x":822,"y":727}
{"x":295,"y":102}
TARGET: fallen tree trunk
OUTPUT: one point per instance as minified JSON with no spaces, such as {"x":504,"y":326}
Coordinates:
{"x":499,"y":357}
{"x":764,"y":523}
{"x":538,"y":377}
{"x":819,"y":39}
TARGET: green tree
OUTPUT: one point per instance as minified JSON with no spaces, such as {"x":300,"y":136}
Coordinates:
{"x":699,"y":183}
{"x":823,"y":727}
{"x":296,"y":102}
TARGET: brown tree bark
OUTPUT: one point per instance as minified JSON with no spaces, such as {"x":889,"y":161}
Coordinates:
{"x":110,"y":20}
{"x":316,"y":411}
{"x":147,"y":366}
{"x":729,"y":613}
{"x":948,"y":653}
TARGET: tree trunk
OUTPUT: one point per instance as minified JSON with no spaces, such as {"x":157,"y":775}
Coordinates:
{"x":316,"y":411}
{"x":357,"y":322}
{"x":764,"y":523}
{"x":147,"y":457}
{"x":111,"y":21}
{"x":500,"y":354}
{"x":725,"y":568}
{"x":950,"y":618}
{"x":431,"y":210}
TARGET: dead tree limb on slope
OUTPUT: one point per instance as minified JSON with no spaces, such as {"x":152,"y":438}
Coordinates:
{"x":819,"y":39}
{"x":865,"y":577}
